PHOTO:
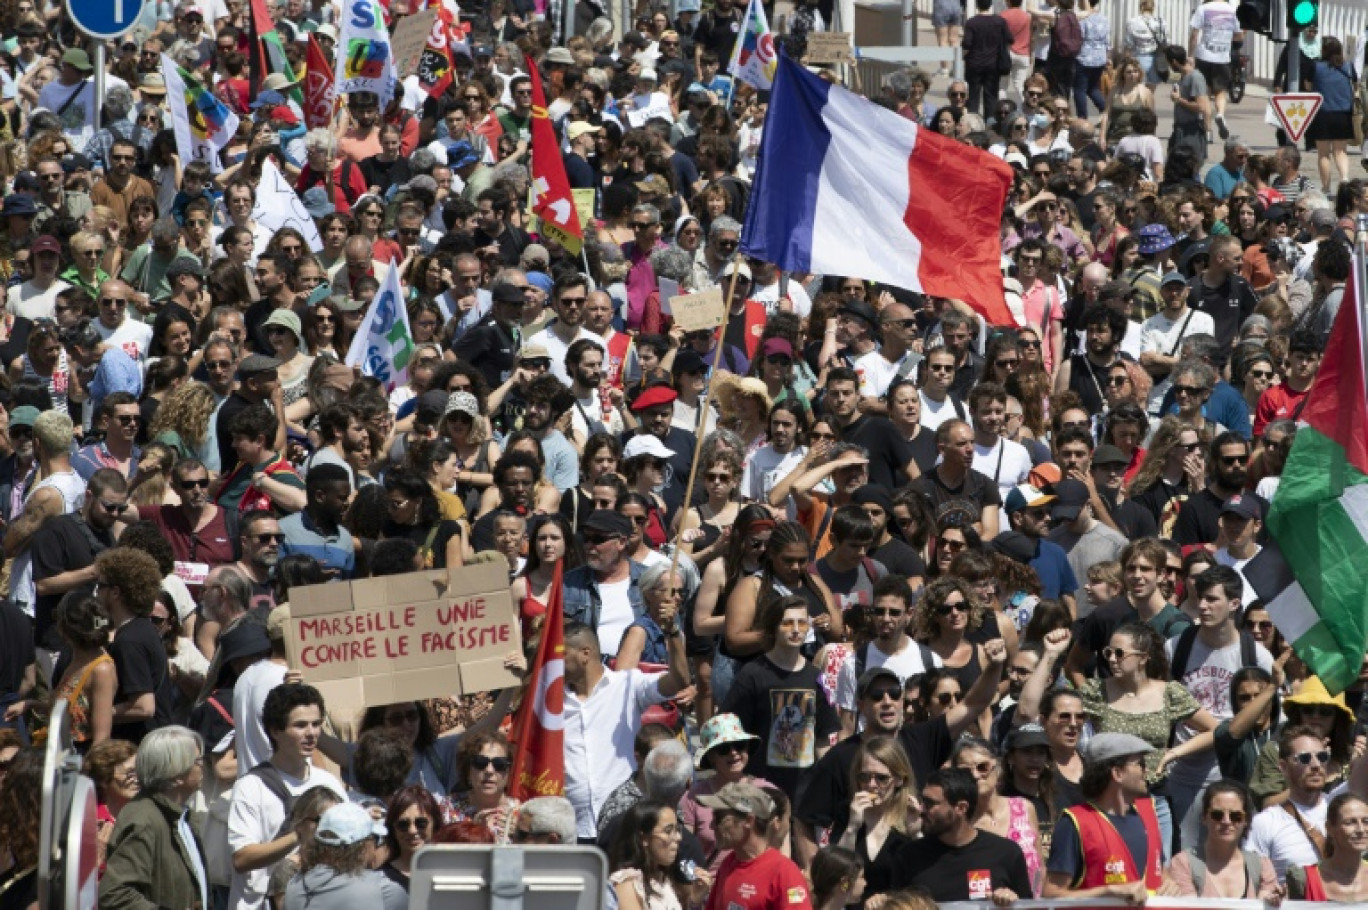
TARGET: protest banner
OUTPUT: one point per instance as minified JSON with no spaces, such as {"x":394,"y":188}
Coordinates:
{"x":278,"y":206}
{"x":659,"y":107}
{"x":410,"y":37}
{"x":830,"y":47}
{"x":584,"y":204}
{"x":379,"y":641}
{"x":704,"y":310}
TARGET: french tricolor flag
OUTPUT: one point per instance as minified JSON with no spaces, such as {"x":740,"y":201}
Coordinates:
{"x":845,"y":187}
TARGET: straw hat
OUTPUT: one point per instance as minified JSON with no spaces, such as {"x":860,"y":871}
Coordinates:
{"x":727,"y":386}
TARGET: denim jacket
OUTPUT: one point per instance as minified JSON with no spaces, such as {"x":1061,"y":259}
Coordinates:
{"x":582,"y":600}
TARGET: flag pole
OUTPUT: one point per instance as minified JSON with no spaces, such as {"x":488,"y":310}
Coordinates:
{"x":703,"y":405}
{"x":1361,"y":286}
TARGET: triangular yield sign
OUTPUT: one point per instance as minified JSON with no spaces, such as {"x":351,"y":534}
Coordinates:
{"x":1295,"y":112}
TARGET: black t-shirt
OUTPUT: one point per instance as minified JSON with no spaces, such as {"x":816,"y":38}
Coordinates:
{"x":16,"y":647}
{"x":889,"y":451}
{"x":924,"y":451}
{"x":1132,"y":520}
{"x":16,"y":345}
{"x":487,"y":346}
{"x":854,"y":588}
{"x":60,"y":545}
{"x":1228,"y":304}
{"x":900,"y":559}
{"x":419,"y":534}
{"x":970,"y":872}
{"x":511,"y":242}
{"x":1199,"y":519}
{"x":385,"y":174}
{"x":970,"y":498}
{"x":718,"y":33}
{"x":140,"y":660}
{"x":232,"y":407}
{"x":790,"y":714}
{"x":1163,"y":501}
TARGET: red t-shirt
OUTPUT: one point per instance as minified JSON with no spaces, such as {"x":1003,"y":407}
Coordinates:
{"x":195,"y":551}
{"x":771,"y":881}
{"x":1276,"y":402}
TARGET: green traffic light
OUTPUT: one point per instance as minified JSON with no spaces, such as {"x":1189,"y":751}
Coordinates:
{"x":1304,"y":12}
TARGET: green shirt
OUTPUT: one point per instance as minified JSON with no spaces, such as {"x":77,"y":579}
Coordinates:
{"x":146,"y":270}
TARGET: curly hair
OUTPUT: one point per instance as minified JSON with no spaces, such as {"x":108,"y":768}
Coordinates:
{"x":145,"y":536}
{"x":923,"y":626}
{"x":21,"y":798}
{"x":473,"y":745}
{"x":186,"y":412}
{"x":136,"y":576}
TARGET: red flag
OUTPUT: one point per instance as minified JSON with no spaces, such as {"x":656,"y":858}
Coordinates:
{"x":434,"y":65}
{"x":552,"y":201}
{"x":539,"y":726}
{"x":319,"y":91}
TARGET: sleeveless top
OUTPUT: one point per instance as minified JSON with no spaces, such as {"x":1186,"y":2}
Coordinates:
{"x":56,"y":383}
{"x":1119,"y":122}
{"x":1020,"y":832}
{"x":72,"y":489}
{"x":75,"y":689}
{"x":1086,"y":380}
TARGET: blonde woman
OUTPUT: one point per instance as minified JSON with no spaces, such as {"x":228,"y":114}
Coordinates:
{"x":182,"y":423}
{"x":1129,"y":95}
{"x":152,"y":485}
{"x":103,"y":220}
{"x":882,"y":788}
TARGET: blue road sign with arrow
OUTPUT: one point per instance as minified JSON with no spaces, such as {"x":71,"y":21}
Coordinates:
{"x":105,"y":18}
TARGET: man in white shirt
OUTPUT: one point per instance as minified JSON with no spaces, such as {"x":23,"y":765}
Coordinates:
{"x":258,"y":833}
{"x":1213,"y":30}
{"x":938,"y":403}
{"x":770,"y":287}
{"x":1006,"y":462}
{"x":596,"y":410}
{"x":72,"y":98}
{"x":568,"y":298}
{"x":856,"y":323}
{"x":1280,"y":832}
{"x":132,"y":336}
{"x":1162,"y":334}
{"x":1241,"y":521}
{"x":37,"y":297}
{"x":891,"y":648}
{"x":603,"y":711}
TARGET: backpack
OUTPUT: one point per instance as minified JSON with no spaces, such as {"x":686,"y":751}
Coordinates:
{"x":269,"y":775}
{"x":1066,"y":36}
{"x":1252,"y":864}
{"x":1249,"y":655}
{"x":928,"y":658}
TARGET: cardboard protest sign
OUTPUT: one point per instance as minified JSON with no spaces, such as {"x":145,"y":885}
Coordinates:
{"x":658,"y":107}
{"x":704,"y":310}
{"x":584,"y":204}
{"x":829,"y":47}
{"x":410,"y":37}
{"x":378,"y":641}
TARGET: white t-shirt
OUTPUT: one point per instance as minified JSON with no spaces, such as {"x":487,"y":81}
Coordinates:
{"x":1223,"y":558}
{"x":249,"y":697}
{"x":593,"y":408}
{"x":1217,"y":23}
{"x":615,"y":615}
{"x":255,"y":817}
{"x":132,"y":337}
{"x":875,"y":373}
{"x":1207,"y":676}
{"x":796,"y":293}
{"x":27,"y":301}
{"x":763,"y":471}
{"x":934,"y":413}
{"x":1161,"y":335}
{"x":557,"y":348}
{"x":77,"y":116}
{"x":906,"y":663}
{"x":1277,"y":835}
{"x":1007,"y":463}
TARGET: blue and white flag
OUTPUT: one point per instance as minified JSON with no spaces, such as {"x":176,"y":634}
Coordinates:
{"x":383,"y":344}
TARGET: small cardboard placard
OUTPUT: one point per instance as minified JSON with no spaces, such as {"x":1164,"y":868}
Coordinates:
{"x":379,"y":641}
{"x":410,"y":37}
{"x":704,"y":310}
{"x":830,"y":47}
{"x":659,"y":107}
{"x":584,"y":205}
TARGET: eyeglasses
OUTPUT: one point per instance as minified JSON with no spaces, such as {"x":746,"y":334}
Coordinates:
{"x":127,"y":420}
{"x":1117,"y":382}
{"x":159,"y":621}
{"x":727,"y":244}
{"x":217,"y":364}
{"x":97,"y":252}
{"x":890,"y":612}
{"x":1261,"y":374}
{"x":202,"y":483}
{"x":946,"y":609}
{"x":643,"y":225}
{"x":980,"y":769}
{"x":481,"y":762}
{"x":1220,"y":816}
{"x":1116,"y":653}
{"x":873,"y":777}
{"x":1027,"y":343}
{"x":265,"y":539}
{"x":595,"y":540}
{"x":1007,"y":362}
{"x":413,"y":824}
{"x":113,"y":301}
{"x":941,"y":367}
{"x":1322,"y":758}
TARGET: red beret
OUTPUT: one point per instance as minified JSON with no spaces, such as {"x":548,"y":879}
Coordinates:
{"x":653,"y":396}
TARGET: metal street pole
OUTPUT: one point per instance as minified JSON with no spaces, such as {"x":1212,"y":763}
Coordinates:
{"x":1294,"y":60}
{"x":1361,"y":280}
{"x":99,"y":64}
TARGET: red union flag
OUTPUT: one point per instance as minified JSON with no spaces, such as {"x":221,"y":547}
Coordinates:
{"x":552,"y":201}
{"x":539,"y":726}
{"x":434,"y":65}
{"x":319,"y":95}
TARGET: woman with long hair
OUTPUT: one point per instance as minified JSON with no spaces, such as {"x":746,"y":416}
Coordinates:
{"x":1126,"y":424}
{"x":953,"y":537}
{"x":324,"y":332}
{"x":21,"y":808}
{"x":416,"y":515}
{"x":1341,"y":876}
{"x":944,"y":619}
{"x":412,"y":818}
{"x":436,"y":460}
{"x":152,"y":484}
{"x":483,"y":120}
{"x":1139,"y":698}
{"x":164,"y":374}
{"x":425,"y":318}
{"x":182,"y":423}
{"x":551,"y":542}
{"x":706,"y":526}
{"x":468,"y":432}
{"x":1001,"y":358}
{"x":1012,"y":817}
{"x":881,"y":788}
{"x":1129,"y":95}
{"x":89,"y":679}
{"x":784,"y":573}
{"x":1227,"y":869}
{"x":598,"y":460}
{"x":643,"y":860}
{"x":1174,"y":469}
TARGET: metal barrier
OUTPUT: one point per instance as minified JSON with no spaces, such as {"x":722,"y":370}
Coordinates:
{"x":875,"y":63}
{"x":1154,"y":903}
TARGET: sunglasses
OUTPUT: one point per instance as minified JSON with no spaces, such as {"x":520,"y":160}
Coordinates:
{"x":127,"y":420}
{"x":265,"y":539}
{"x":816,"y":436}
{"x":945,"y":699}
{"x":1025,"y":343}
{"x":720,"y":478}
{"x":1220,"y":816}
{"x":946,"y":609}
{"x":202,"y":483}
{"x":481,"y":762}
{"x":1116,"y":653}
{"x":114,"y":508}
{"x":941,"y":368}
{"x":778,"y":360}
{"x":1117,"y":382}
{"x":730,"y":749}
{"x":1261,"y":374}
{"x":883,"y":692}
{"x":1304,"y":758}
{"x":1007,"y":362}
{"x":1188,"y":390}
{"x":890,"y":612}
{"x":159,"y":621}
{"x":950,"y":545}
{"x":413,"y":824}
{"x":1232,"y":460}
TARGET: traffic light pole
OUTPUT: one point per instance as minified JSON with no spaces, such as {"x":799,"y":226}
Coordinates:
{"x":1294,"y":60}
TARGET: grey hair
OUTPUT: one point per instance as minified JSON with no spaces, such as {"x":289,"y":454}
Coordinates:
{"x":321,"y":139}
{"x":653,"y":577}
{"x":1315,"y":199}
{"x":727,"y":438}
{"x":1202,"y":371}
{"x":724,"y":223}
{"x":506,"y":276}
{"x":165,"y":230}
{"x":1292,"y":154}
{"x":650,"y":211}
{"x":82,"y":335}
{"x":422,"y":162}
{"x":166,"y":754}
{"x":599,"y":30}
{"x":899,"y":85}
{"x":118,"y":102}
{"x":673,"y":263}
{"x":551,"y":815}
{"x":1256,"y":322}
{"x":237,"y":587}
{"x":667,"y":772}
{"x":1200,"y":346}
{"x":1233,"y":143}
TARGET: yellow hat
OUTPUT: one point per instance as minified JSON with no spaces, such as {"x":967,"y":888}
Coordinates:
{"x":1313,"y":692}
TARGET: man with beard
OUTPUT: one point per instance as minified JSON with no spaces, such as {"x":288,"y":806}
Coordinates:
{"x":197,"y":529}
{"x":1085,"y":374}
{"x":1028,"y":514}
{"x":1199,"y":521}
{"x":515,"y":477}
{"x":954,"y":860}
{"x":891,"y":460}
{"x":595,"y":410}
{"x":546,"y":400}
{"x":64,"y":549}
{"x":343,"y":432}
{"x":568,"y":298}
{"x":317,"y":530}
{"x":261,"y":539}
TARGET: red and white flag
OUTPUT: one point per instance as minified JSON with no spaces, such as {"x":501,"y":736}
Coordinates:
{"x":552,"y":201}
{"x":434,"y":64}
{"x":319,"y":94}
{"x":539,"y":725}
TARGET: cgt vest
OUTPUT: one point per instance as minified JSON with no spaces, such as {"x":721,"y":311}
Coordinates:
{"x":1106,"y":858}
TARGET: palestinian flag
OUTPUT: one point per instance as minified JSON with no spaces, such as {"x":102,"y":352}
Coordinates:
{"x":1314,"y":578}
{"x":267,"y":53}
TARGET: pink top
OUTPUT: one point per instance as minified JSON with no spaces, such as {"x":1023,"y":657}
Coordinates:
{"x":1021,"y":832}
{"x":1180,"y":871}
